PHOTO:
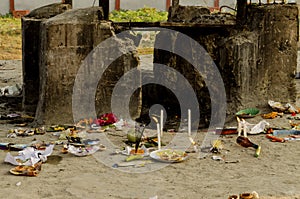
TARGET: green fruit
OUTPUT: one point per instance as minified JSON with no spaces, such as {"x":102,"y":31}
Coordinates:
{"x":134,"y":157}
{"x":131,"y":136}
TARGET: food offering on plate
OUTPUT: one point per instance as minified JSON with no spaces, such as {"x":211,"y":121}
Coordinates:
{"x":84,"y":151}
{"x":138,"y":152}
{"x":24,"y":170}
{"x":132,"y":151}
{"x":169,"y":155}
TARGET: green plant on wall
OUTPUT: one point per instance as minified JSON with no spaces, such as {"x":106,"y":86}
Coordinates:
{"x":140,"y":15}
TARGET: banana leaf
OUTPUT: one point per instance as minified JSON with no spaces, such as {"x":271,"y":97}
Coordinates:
{"x":249,"y":112}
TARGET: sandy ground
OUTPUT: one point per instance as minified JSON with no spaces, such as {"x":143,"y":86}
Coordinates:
{"x":274,"y":174}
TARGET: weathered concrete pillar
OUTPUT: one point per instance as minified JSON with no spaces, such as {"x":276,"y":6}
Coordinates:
{"x":238,"y":63}
{"x":241,"y":16}
{"x":31,"y":45}
{"x":70,"y":42}
{"x":257,"y":63}
{"x":277,"y":30}
{"x":260,"y":64}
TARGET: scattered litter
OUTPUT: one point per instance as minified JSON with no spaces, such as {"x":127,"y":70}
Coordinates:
{"x":18,"y":184}
{"x":120,"y":125}
{"x":291,"y":108}
{"x":84,"y":151}
{"x":277,"y":106}
{"x":294,"y":117}
{"x":134,"y":157}
{"x":195,"y":146}
{"x":248,"y":196}
{"x":17,"y":147}
{"x":292,"y":134}
{"x":136,"y":163}
{"x":29,"y":156}
{"x":5,"y":145}
{"x":169,"y":155}
{"x":106,"y":119}
{"x":257,"y":128}
{"x":247,"y":113}
{"x":287,"y":108}
{"x":272,"y":115}
{"x":257,"y":151}
{"x":253,"y":195}
{"x":218,"y":158}
{"x":248,"y":128}
{"x":20,"y":132}
{"x":291,"y":138}
{"x":245,"y":142}
{"x":286,"y":132}
{"x":13,"y":133}
{"x":226,"y":131}
{"x":13,"y":115}
{"x":64,"y":150}
{"x":91,"y":141}
{"x":23,"y":170}
{"x":72,"y":135}
{"x":233,"y":197}
{"x":217,"y":146}
{"x":12,"y":147}
{"x":39,"y":145}
{"x":131,"y":135}
{"x":104,"y":122}
{"x":274,"y":138}
{"x":131,"y":151}
{"x":10,"y":91}
{"x":232,"y":161}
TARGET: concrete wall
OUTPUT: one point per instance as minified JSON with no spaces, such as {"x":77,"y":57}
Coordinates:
{"x":257,"y":62}
{"x":64,"y":42}
{"x":31,"y":46}
{"x":245,"y":58}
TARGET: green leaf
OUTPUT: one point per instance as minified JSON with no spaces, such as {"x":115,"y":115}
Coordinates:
{"x":248,"y":111}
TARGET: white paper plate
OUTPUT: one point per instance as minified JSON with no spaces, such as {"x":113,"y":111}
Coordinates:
{"x":155,"y":155}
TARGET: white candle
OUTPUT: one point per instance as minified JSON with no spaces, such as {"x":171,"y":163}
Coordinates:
{"x":161,"y":122}
{"x":189,"y":123}
{"x":158,"y":136}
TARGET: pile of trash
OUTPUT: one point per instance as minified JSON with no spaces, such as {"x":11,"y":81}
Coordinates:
{"x":275,"y":135}
{"x":29,"y":160}
{"x":141,"y":147}
{"x":245,"y":128}
{"x":73,"y":139}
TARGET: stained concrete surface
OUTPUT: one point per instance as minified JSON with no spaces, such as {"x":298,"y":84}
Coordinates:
{"x":11,"y":72}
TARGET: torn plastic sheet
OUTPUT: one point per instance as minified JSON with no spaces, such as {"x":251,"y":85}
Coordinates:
{"x":29,"y":156}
